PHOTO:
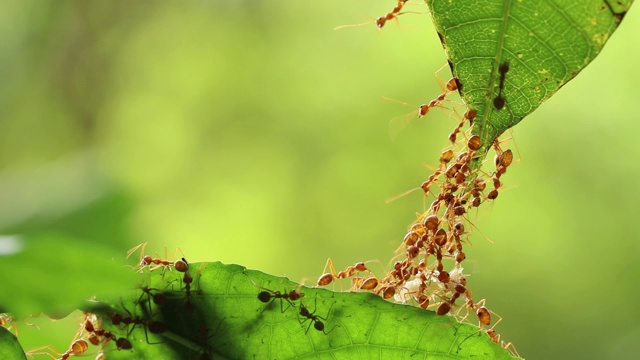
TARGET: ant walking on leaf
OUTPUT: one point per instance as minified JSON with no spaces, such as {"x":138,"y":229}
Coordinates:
{"x":316,"y":320}
{"x":267,"y":296}
{"x":326,"y":278}
{"x":148,"y":261}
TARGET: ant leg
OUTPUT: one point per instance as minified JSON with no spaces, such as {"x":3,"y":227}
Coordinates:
{"x":511,"y":348}
{"x":135,"y":248}
{"x":325,"y":319}
{"x":327,"y":278}
{"x":40,"y":351}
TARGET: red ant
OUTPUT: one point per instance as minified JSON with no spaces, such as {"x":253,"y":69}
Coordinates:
{"x":502,"y":161}
{"x":452,"y":85}
{"x":315,"y":319}
{"x":459,"y":290}
{"x":206,"y":339}
{"x":155,"y":327}
{"x":368,"y":283}
{"x":382,"y":20}
{"x":148,"y":260}
{"x":268,"y":296}
{"x":469,"y":116}
{"x":397,"y":124}
{"x":8,"y":321}
{"x":495,"y":337}
{"x":393,"y":14}
{"x":77,"y":348}
{"x":327,"y":278}
{"x":95,"y":334}
{"x":158,"y":298}
{"x":183,"y":266}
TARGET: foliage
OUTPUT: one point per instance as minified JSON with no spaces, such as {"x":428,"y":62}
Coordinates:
{"x":539,"y":45}
{"x":222,"y":317}
{"x":522,"y":93}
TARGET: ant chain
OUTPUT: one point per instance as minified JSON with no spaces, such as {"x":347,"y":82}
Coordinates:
{"x":428,"y":269}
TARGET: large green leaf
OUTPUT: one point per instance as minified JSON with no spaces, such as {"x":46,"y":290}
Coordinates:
{"x":545,"y":43}
{"x":224,"y":318}
{"x":61,"y":226}
{"x":10,"y":348}
{"x":52,"y":273}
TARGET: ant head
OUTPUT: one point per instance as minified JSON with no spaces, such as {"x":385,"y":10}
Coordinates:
{"x":295,"y":295}
{"x":181,"y":265}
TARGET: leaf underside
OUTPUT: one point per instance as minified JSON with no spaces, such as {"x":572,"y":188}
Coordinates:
{"x":229,"y":321}
{"x":10,"y":348}
{"x":545,"y":43}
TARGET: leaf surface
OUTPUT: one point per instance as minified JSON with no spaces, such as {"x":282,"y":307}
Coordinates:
{"x":53,"y":273}
{"x":542,"y":44}
{"x":10,"y":348}
{"x":227,"y":320}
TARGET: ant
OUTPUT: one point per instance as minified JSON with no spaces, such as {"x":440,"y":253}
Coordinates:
{"x":482,"y":313}
{"x":327,"y":278}
{"x":158,"y":298}
{"x":382,"y":20}
{"x":478,"y":187}
{"x":445,"y":157}
{"x":495,"y":337}
{"x":206,"y":339}
{"x":393,"y":14}
{"x":459,"y":290}
{"x":469,"y":116}
{"x":499,"y":100}
{"x":183,"y":266}
{"x":315,"y":319}
{"x":8,"y":321}
{"x":474,"y":143}
{"x":96,"y":333}
{"x":502,"y":161}
{"x":148,"y":260}
{"x":368,"y":283}
{"x":155,"y":327}
{"x":388,"y":290}
{"x":484,"y":317}
{"x":78,"y":347}
{"x":452,"y":85}
{"x":397,"y":124}
{"x":267,"y":296}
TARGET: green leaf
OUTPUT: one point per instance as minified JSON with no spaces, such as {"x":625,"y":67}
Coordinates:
{"x":60,"y":228}
{"x":545,"y":43}
{"x":223,"y":318}
{"x":54,"y":273}
{"x":10,"y":348}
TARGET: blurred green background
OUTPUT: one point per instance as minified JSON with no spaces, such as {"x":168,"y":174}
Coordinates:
{"x":251,"y":132}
